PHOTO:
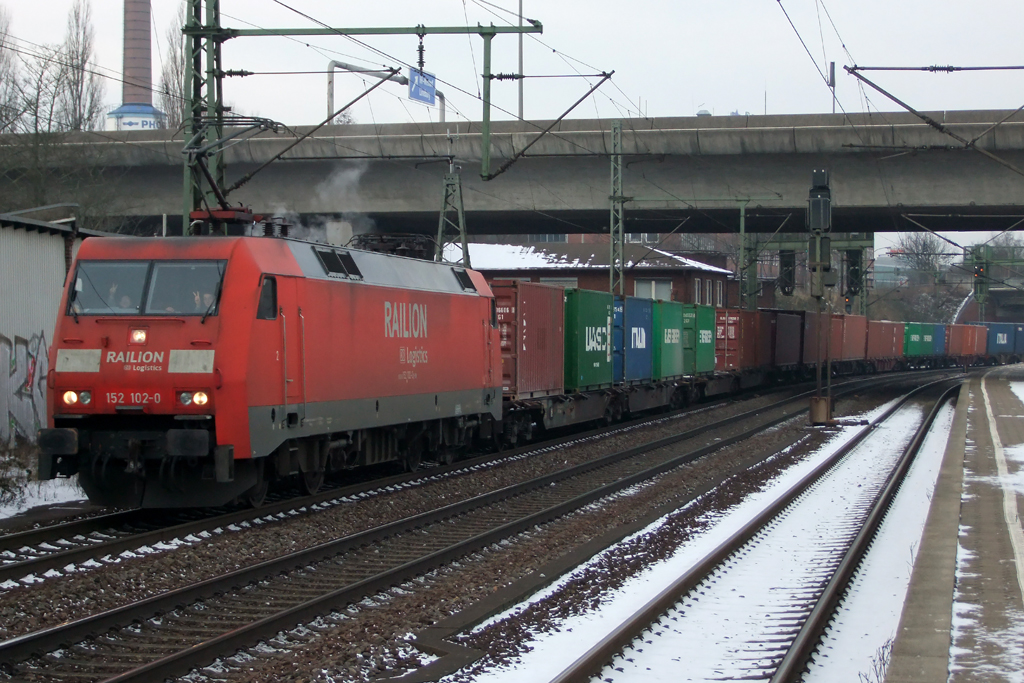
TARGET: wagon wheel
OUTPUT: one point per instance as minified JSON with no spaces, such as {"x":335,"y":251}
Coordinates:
{"x":258,"y":493}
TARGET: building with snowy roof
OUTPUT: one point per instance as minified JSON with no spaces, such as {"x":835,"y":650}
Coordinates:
{"x":649,"y":272}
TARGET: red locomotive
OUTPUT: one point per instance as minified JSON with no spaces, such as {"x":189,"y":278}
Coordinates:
{"x":192,"y":371}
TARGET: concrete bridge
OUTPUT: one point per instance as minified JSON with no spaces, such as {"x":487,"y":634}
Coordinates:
{"x":889,"y":171}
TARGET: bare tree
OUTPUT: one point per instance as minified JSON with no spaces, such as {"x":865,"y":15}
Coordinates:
{"x":1007,"y":246}
{"x":10,"y":110}
{"x":43,"y":81}
{"x":81,"y":99}
{"x":172,"y":73}
{"x":57,"y":97}
{"x":923,"y":253}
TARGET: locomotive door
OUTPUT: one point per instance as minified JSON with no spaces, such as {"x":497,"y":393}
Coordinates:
{"x":293,"y":366}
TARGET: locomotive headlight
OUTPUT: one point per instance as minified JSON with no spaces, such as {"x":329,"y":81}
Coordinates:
{"x":70,"y":398}
{"x":200,"y":398}
{"x":85,"y":398}
{"x":186,"y":398}
{"x":137,"y":337}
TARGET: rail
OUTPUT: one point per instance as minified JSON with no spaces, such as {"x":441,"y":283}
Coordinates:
{"x":592,"y":662}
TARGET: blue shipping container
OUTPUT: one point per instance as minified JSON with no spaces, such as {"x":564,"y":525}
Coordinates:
{"x":633,"y":339}
{"x":939,"y":339}
{"x":927,"y":339}
{"x":1000,"y":338}
{"x":1018,"y":339}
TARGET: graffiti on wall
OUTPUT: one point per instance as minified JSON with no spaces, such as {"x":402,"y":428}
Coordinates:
{"x":23,"y":368}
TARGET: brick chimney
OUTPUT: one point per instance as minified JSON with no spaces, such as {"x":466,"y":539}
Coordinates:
{"x":138,"y":56}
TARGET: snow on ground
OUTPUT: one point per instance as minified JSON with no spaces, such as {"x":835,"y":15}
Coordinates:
{"x":870,"y":612}
{"x":553,"y":651}
{"x":1018,"y":390}
{"x":1004,"y":649}
{"x":36,"y":493}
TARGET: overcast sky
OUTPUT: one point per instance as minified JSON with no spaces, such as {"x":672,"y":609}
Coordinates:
{"x":670,"y":58}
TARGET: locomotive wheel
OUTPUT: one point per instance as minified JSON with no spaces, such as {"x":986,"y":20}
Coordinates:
{"x":258,"y":493}
{"x":312,"y":481}
{"x":414,"y":456}
{"x":106,"y":483}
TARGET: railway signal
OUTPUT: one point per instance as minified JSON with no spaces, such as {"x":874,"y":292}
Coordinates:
{"x":819,"y":263}
{"x":980,"y":257}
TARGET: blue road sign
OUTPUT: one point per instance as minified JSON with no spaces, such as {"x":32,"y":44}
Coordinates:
{"x":421,"y":86}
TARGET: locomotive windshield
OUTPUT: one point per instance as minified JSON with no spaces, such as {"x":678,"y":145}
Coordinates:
{"x":147,"y":288}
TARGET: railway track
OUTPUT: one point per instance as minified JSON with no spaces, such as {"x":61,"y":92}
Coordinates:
{"x":92,"y":542}
{"x":793,"y":605}
{"x":169,"y":633}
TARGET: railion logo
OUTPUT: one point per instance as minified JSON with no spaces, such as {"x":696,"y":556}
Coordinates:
{"x":639,"y":338}
{"x":405,"y":320}
{"x":135,"y":356}
{"x":596,"y":338}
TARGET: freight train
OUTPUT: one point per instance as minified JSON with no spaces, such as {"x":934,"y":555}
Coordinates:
{"x":188,"y":372}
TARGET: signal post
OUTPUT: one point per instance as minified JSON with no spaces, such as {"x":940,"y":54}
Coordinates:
{"x":819,"y":265}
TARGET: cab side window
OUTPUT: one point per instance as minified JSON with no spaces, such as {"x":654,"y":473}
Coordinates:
{"x":268,"y":300}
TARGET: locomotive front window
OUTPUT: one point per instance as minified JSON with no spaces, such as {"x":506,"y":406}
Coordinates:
{"x":185,"y":288}
{"x":108,"y":287}
{"x":146,"y":288}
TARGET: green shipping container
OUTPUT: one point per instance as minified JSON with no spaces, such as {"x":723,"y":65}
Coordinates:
{"x":588,"y":340}
{"x":913,"y":340}
{"x":668,"y":340}
{"x":698,"y":339}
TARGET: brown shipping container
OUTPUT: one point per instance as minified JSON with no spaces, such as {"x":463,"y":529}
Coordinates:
{"x":885,"y":339}
{"x":811,"y":338}
{"x":788,"y":334}
{"x":736,"y":342}
{"x":749,"y":347}
{"x":831,"y":340}
{"x":765,"y":321}
{"x":727,"y":339}
{"x":855,"y":331}
{"x":955,"y":338}
{"x":898,"y":331}
{"x":835,"y":348}
{"x":530,"y":321}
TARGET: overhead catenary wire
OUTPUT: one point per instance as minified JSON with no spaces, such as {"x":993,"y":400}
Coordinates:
{"x":118,"y":77}
{"x":90,"y":68}
{"x":836,"y":29}
{"x":472,"y":52}
{"x":327,"y":53}
{"x":561,"y":55}
{"x":406,"y":64}
{"x":321,"y":51}
{"x":390,"y":57}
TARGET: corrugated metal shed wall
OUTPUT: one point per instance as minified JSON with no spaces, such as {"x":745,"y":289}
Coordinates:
{"x":31,"y":278}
